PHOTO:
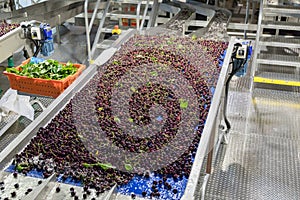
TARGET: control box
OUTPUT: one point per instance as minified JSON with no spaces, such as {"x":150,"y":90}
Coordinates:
{"x":36,"y":33}
{"x":241,"y":52}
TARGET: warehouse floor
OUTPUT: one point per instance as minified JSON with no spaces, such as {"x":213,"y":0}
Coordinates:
{"x":262,"y":159}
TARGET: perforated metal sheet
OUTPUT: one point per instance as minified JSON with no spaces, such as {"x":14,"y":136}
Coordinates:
{"x":280,"y":76}
{"x":22,"y":123}
{"x":6,"y":119}
{"x":262,"y":158}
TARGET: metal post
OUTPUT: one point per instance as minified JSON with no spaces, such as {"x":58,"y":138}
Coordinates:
{"x":12,"y":5}
{"x":57,"y":29}
{"x":254,"y":3}
{"x":153,"y":14}
{"x":94,"y":14}
{"x":216,"y":3}
{"x":257,"y":47}
{"x":87,"y":30}
{"x":138,"y":9}
{"x":144,"y":15}
{"x":246,"y":18}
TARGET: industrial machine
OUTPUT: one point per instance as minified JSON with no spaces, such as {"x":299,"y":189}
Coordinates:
{"x":41,"y":36}
{"x":33,"y":164}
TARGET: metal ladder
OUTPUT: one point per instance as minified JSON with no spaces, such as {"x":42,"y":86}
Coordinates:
{"x":107,"y":12}
{"x":276,"y":61}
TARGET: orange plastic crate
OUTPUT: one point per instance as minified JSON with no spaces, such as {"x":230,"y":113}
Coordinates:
{"x":132,"y":8}
{"x":43,"y":87}
{"x":125,"y":22}
{"x":133,"y":22}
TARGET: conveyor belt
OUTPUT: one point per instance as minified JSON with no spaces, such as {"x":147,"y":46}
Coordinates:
{"x":56,"y":105}
{"x":13,"y":124}
{"x":10,"y":43}
{"x":22,"y":138}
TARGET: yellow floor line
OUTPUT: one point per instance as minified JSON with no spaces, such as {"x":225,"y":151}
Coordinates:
{"x":276,"y":81}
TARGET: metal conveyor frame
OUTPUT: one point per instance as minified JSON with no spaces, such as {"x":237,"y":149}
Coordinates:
{"x":206,"y":145}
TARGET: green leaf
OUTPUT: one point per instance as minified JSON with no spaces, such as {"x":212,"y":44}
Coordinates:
{"x":116,"y":62}
{"x":21,"y":166}
{"x":183,"y":103}
{"x":128,"y":167}
{"x":180,"y":46}
{"x":194,"y":37}
{"x":154,"y":73}
{"x":86,"y":165}
{"x":116,"y":119}
{"x":104,"y":166}
{"x":130,"y":120}
{"x":154,"y":59}
{"x":133,"y":89}
{"x":12,"y":70}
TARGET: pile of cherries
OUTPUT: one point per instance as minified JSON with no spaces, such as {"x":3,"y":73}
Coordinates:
{"x":63,"y":146}
{"x":5,"y":27}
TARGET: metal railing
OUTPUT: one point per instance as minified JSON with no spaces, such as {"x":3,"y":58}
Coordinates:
{"x":88,"y":25}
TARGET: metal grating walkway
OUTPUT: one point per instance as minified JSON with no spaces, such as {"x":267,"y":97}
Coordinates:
{"x":262,"y":159}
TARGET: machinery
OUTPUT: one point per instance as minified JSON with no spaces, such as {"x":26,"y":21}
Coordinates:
{"x":40,"y":36}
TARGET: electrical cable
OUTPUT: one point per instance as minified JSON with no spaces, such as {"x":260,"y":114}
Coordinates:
{"x":236,"y":67}
{"x":38,"y":50}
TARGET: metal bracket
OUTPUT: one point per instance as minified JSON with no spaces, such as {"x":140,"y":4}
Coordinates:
{"x":203,"y":188}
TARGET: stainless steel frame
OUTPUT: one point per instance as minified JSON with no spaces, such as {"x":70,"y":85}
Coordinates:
{"x":88,"y":25}
{"x":210,"y":133}
{"x":206,"y":146}
{"x":10,"y":43}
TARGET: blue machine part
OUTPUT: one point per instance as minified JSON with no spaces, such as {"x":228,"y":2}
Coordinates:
{"x":36,"y":60}
{"x":48,"y":47}
{"x":69,"y":181}
{"x":139,"y":184}
{"x":47,"y":31}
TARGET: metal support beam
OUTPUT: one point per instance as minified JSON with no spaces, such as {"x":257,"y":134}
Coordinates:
{"x":246,"y":18}
{"x":153,"y":14}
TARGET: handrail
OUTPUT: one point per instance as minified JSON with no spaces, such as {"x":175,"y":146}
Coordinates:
{"x":87,"y":30}
{"x":94,"y":15}
{"x":94,"y":47}
{"x":258,"y":34}
{"x":89,"y":25}
{"x":144,"y":15}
